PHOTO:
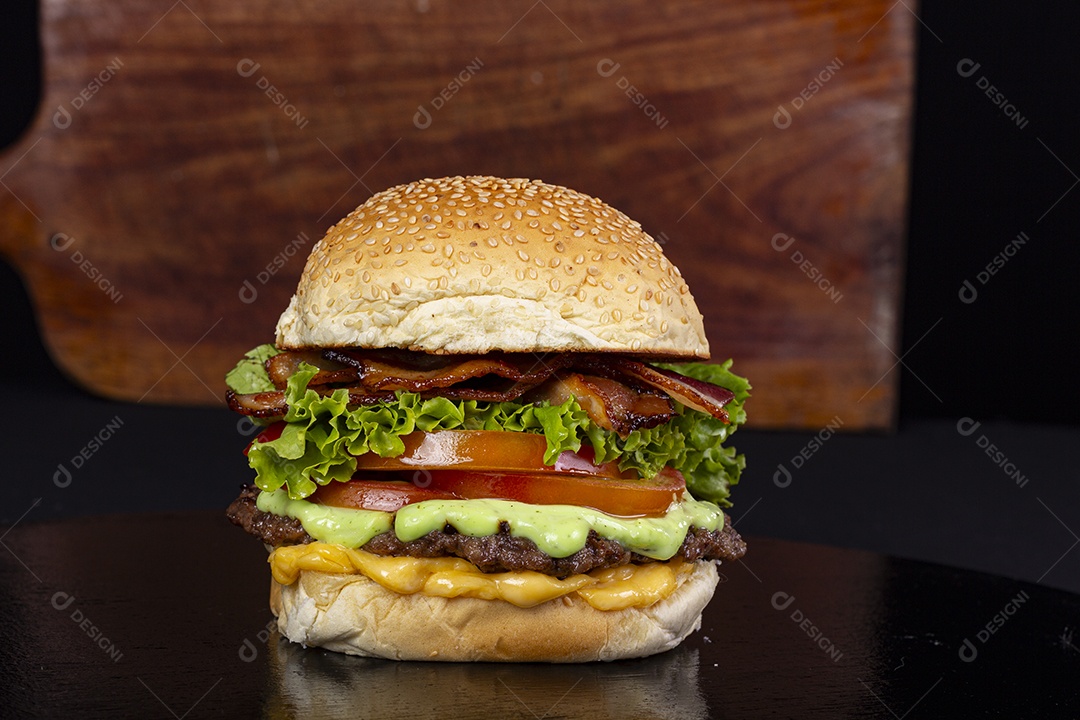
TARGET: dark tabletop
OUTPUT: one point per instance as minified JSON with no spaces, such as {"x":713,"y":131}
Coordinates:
{"x":126,"y":592}
{"x":159,"y":615}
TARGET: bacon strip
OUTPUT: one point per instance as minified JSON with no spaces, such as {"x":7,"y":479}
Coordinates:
{"x":260,"y":405}
{"x":418,"y":372}
{"x":695,"y":394}
{"x":282,"y":366}
{"x":618,"y":393}
{"x":609,"y":403}
{"x":273,"y":405}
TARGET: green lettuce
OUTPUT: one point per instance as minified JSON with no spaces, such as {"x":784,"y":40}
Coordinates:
{"x":692,"y":442}
{"x":249,"y":375}
{"x":323,"y":434}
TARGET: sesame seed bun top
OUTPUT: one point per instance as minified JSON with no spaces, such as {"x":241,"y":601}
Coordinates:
{"x":480,"y":264}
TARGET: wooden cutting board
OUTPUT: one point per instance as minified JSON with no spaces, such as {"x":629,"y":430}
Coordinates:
{"x":187,"y":155}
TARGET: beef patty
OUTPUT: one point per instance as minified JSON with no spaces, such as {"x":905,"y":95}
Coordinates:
{"x":501,"y":552}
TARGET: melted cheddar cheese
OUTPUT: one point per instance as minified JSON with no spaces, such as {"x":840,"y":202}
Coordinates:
{"x":610,"y":589}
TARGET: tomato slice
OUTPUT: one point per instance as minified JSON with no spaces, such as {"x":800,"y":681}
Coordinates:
{"x":628,"y":498}
{"x":475,"y":464}
{"x":488,"y":451}
{"x":636,"y":498}
{"x":272,"y":432}
{"x":384,"y":495}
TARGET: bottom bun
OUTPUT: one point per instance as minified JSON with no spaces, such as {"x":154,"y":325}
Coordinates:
{"x":354,"y":614}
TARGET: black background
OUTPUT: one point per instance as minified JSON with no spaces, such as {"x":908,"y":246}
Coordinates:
{"x":925,"y":491}
{"x":977,"y":181}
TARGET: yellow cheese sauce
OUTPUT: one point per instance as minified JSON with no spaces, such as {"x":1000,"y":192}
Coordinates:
{"x":558,"y":530}
{"x":610,"y":589}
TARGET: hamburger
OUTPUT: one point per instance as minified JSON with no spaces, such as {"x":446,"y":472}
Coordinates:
{"x":487,"y":433}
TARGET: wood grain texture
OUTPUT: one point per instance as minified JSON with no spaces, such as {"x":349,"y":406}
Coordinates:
{"x":186,"y":157}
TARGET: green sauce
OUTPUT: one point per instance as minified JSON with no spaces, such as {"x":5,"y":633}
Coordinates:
{"x":351,"y":528}
{"x":558,"y":530}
